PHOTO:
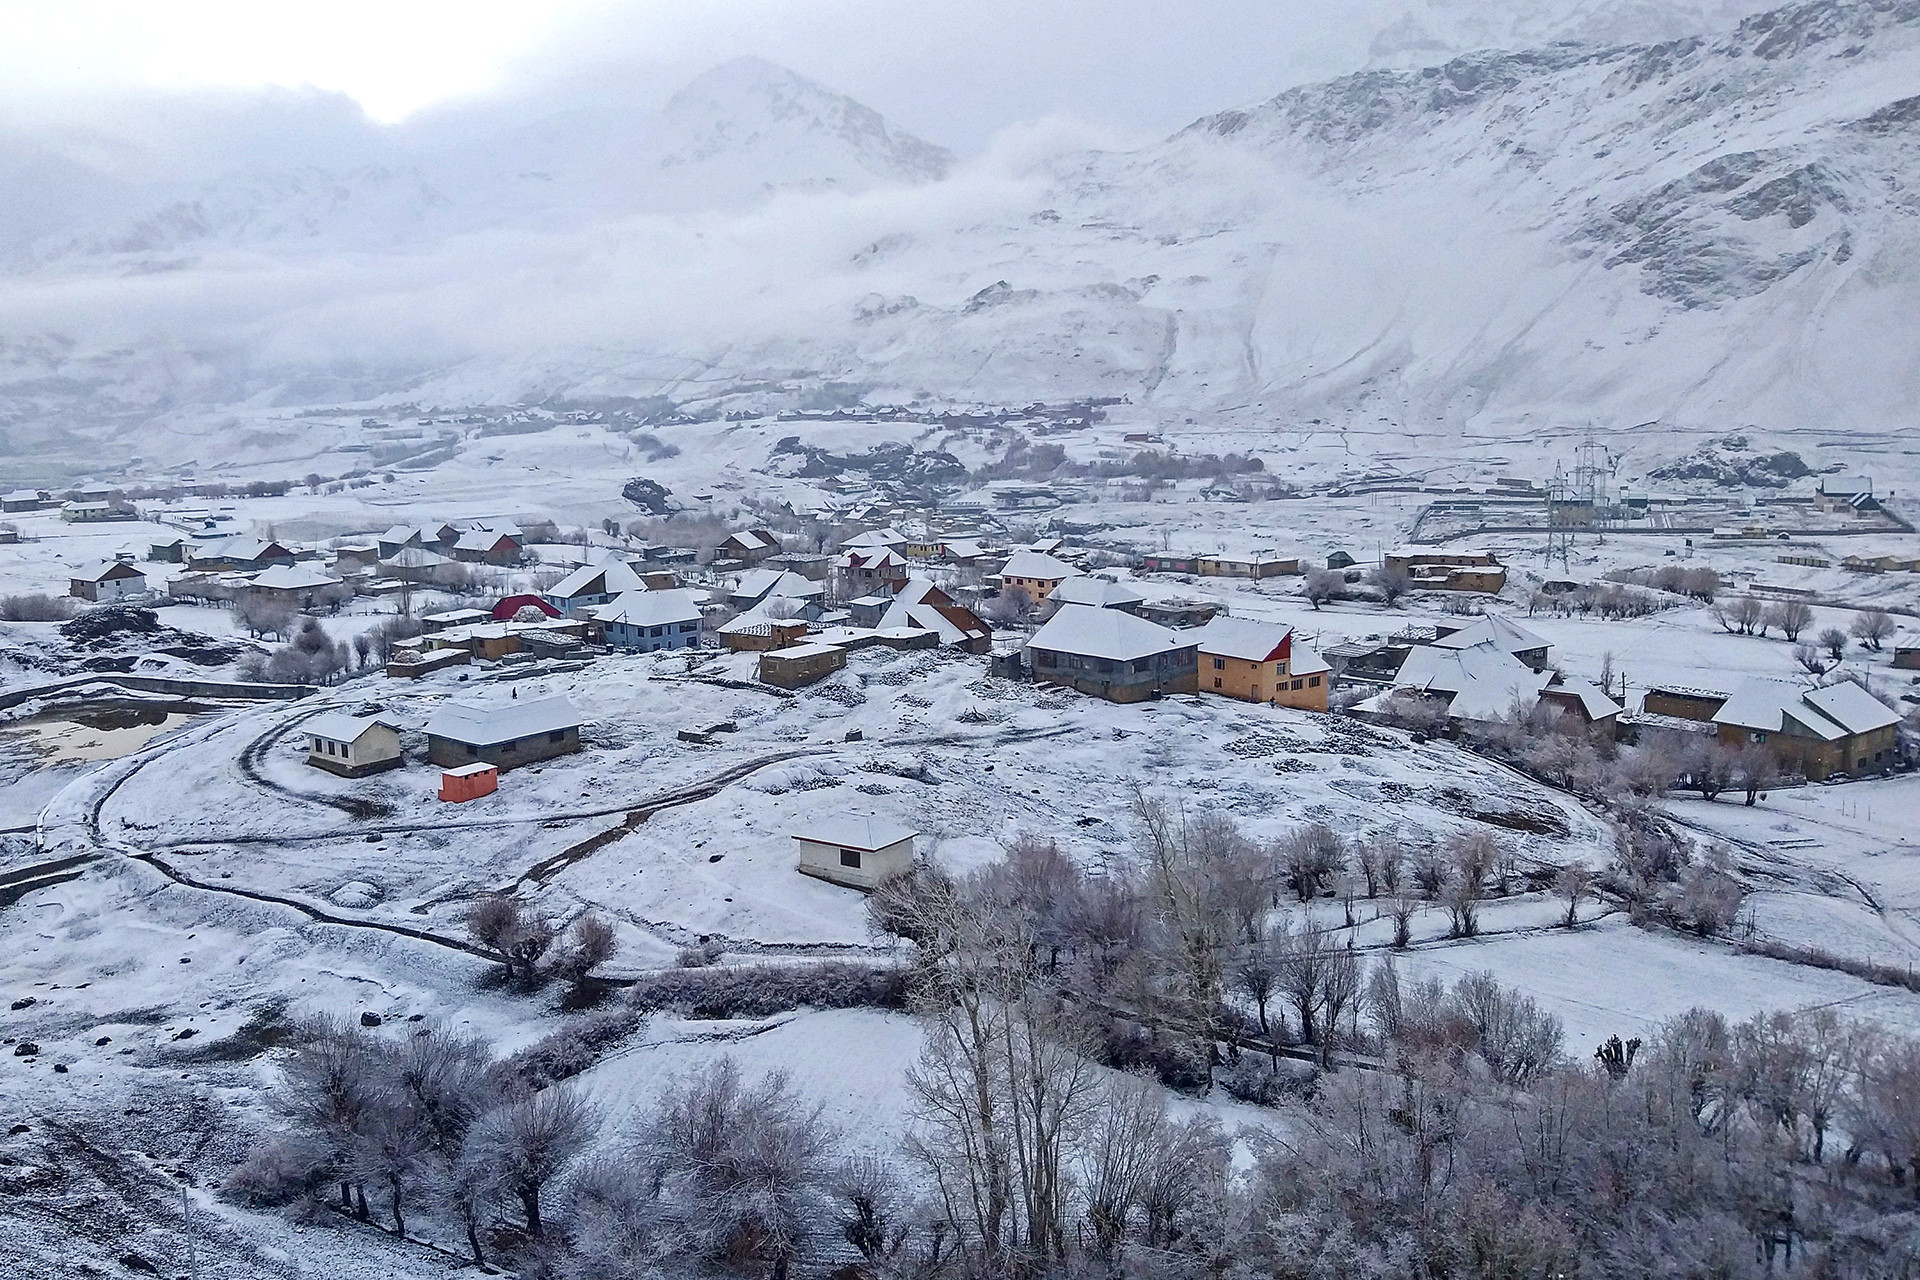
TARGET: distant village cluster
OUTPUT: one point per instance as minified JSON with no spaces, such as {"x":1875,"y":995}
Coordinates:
{"x":1045,"y":611}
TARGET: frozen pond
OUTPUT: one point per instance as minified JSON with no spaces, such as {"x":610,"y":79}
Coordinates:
{"x":77,"y":736}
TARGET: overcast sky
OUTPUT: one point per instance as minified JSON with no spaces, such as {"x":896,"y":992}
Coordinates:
{"x":952,"y":72}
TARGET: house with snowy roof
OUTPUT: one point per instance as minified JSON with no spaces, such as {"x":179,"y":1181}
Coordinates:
{"x":1113,"y":655}
{"x":505,"y":734}
{"x":957,"y":626}
{"x":1261,"y":662}
{"x":866,"y":571}
{"x":756,"y":587}
{"x":1098,"y":590}
{"x":750,"y":546}
{"x":352,"y":746}
{"x":1509,"y":635}
{"x":859,"y":851}
{"x":242,"y":554}
{"x":1035,"y":572}
{"x":1481,"y":682}
{"x":593,"y":584}
{"x":643,"y":621}
{"x":1905,"y":647}
{"x":487,"y":546}
{"x":1818,"y":731}
{"x":297,"y":586}
{"x":107,"y":581}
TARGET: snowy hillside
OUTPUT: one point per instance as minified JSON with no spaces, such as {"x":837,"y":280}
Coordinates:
{"x":1712,"y":233}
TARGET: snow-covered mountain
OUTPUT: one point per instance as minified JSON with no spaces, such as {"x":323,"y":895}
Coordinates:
{"x":1715,"y":231}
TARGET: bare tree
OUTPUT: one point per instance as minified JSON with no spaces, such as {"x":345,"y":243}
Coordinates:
{"x":1473,"y":855}
{"x":1313,"y":857}
{"x":1322,"y":585}
{"x":1574,"y":883}
{"x":589,"y":943}
{"x":749,"y":1162}
{"x":1392,"y":584}
{"x":1751,"y":615}
{"x":1872,"y":627}
{"x":1401,"y":908}
{"x":1811,"y":659}
{"x":517,"y":937}
{"x":527,"y":1142}
{"x":1834,"y":641}
{"x":1791,"y":617}
{"x":1754,"y":770}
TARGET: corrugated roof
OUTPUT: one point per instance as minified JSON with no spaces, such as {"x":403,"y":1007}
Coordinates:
{"x":855,"y":831}
{"x":1037,"y":564}
{"x":338,"y":726}
{"x":1506,"y":633}
{"x":483,"y":725}
{"x":619,"y":578}
{"x":1484,"y":680}
{"x":1106,"y":633}
{"x":650,"y":608}
{"x":1101,"y":593}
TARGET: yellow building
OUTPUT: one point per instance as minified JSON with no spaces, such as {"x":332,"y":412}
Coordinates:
{"x":1036,"y":573}
{"x":1261,"y":662}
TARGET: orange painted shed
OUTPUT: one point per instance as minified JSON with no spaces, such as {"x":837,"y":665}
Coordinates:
{"x":469,"y":781}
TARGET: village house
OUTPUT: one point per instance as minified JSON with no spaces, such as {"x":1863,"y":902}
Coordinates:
{"x":956,"y":626}
{"x":854,"y":850}
{"x":1479,"y":683}
{"x":1502,"y":631}
{"x":95,"y":512}
{"x":864,"y":572}
{"x":352,"y":746}
{"x":756,"y":587}
{"x":1585,"y":703}
{"x":1253,"y":566}
{"x":811,"y":566}
{"x":487,"y":546}
{"x":1905,"y":646}
{"x":356,"y":557}
{"x":412,"y":564}
{"x":1113,"y":655}
{"x":1035,"y":572}
{"x":1179,"y":613}
{"x":26,"y":500}
{"x":643,"y":621}
{"x":503,"y":734}
{"x":431,"y":622}
{"x":103,"y":583}
{"x":240,"y":554}
{"x":1261,"y":662}
{"x":754,"y":632}
{"x":750,"y":546}
{"x":1340,"y":560}
{"x":168,"y":550}
{"x":293,"y":585}
{"x":1682,"y":702}
{"x":593,"y":584}
{"x":1818,"y":732}
{"x":1845,"y":495}
{"x":872,"y":540}
{"x":1099,"y":591}
{"x":1433,"y":569}
{"x":800,"y":664}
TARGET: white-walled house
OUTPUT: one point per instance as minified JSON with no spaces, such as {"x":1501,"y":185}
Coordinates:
{"x":856,"y":850}
{"x":352,"y":746}
{"x":113,"y":580}
{"x":647,"y":620}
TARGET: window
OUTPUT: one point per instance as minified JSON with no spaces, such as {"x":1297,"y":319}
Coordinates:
{"x":1219,"y":664}
{"x":1299,"y":684}
{"x":558,"y":735}
{"x":1313,"y":682}
{"x":1216,"y":682}
{"x":509,"y":746}
{"x":850,"y":858}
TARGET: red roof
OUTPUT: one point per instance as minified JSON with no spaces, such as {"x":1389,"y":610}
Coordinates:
{"x":507,"y":608}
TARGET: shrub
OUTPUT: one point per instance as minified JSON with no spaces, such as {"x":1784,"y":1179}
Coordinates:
{"x":36,"y":608}
{"x":759,"y":991}
{"x":572,"y":1049}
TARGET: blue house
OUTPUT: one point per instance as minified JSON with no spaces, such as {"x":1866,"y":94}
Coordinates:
{"x":643,"y":621}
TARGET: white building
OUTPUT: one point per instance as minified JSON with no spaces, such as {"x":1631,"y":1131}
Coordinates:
{"x":856,"y":850}
{"x":113,"y":580}
{"x":352,"y":746}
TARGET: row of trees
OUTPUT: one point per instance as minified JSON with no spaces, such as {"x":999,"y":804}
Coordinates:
{"x":1750,"y":615}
